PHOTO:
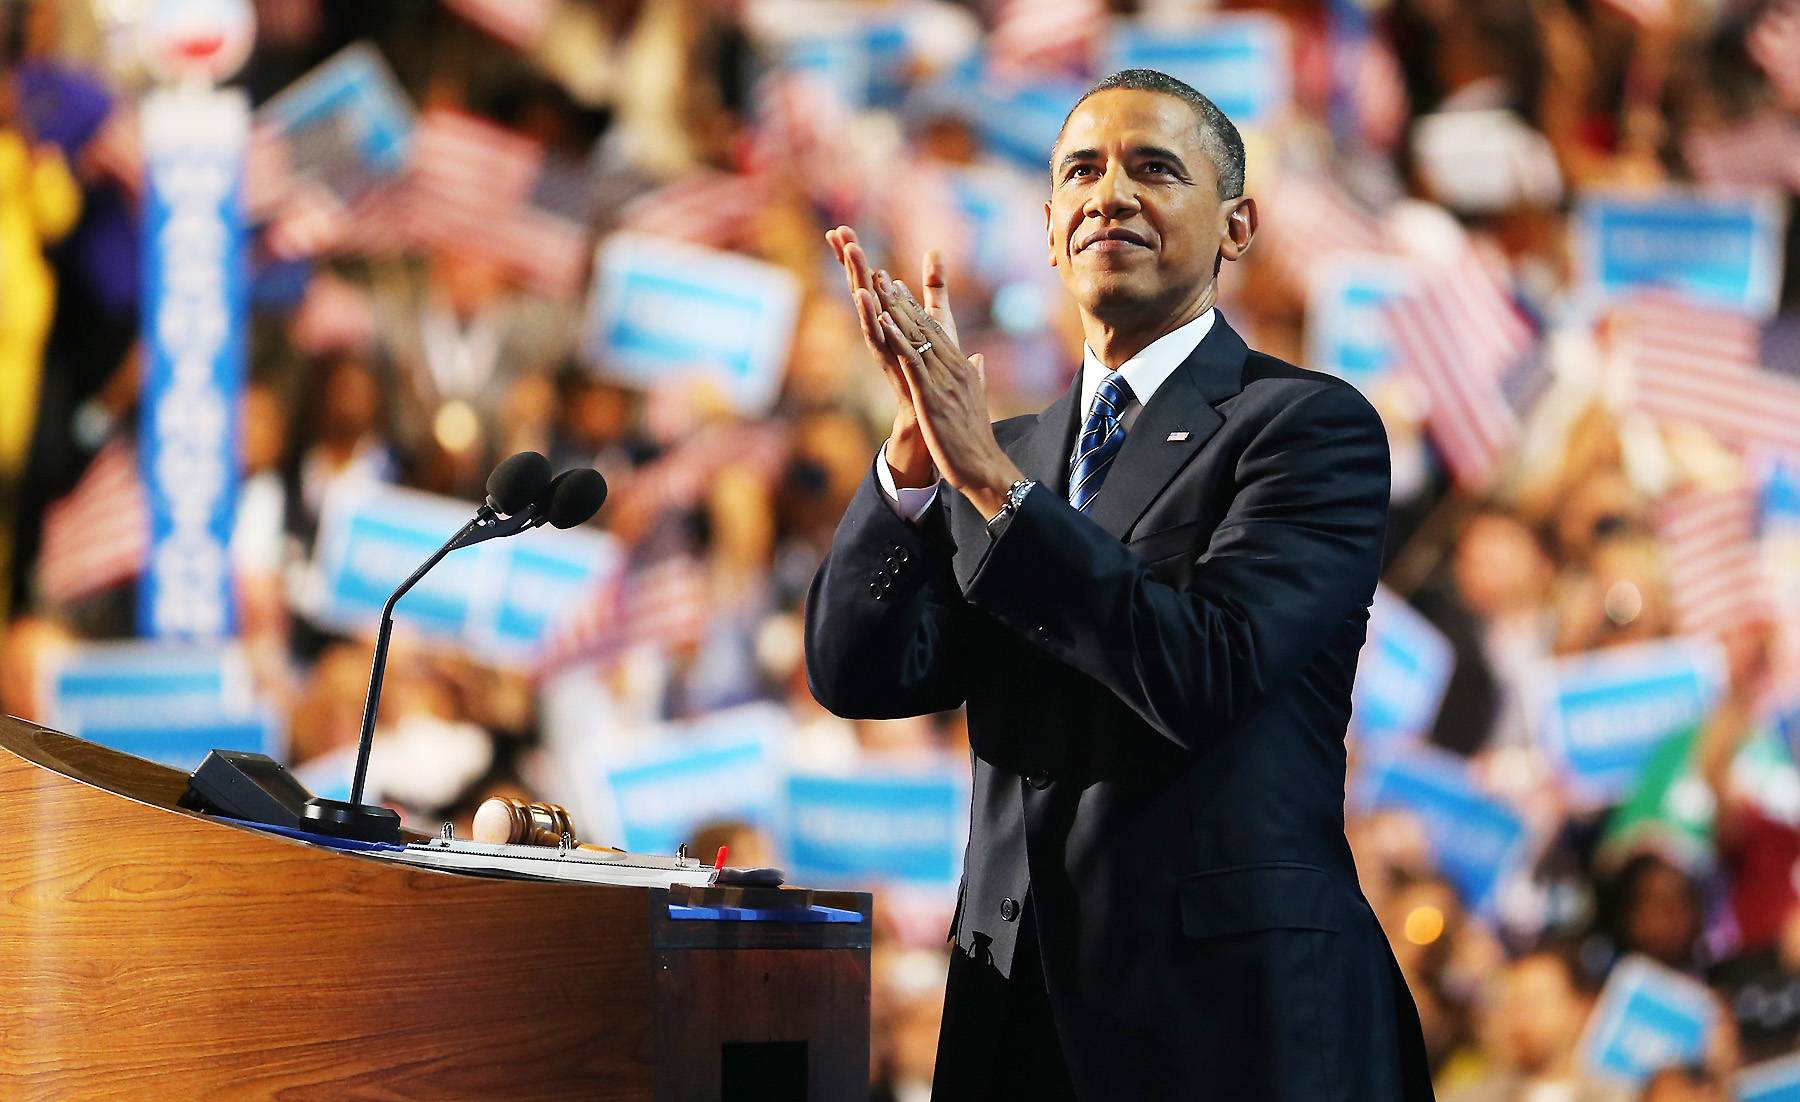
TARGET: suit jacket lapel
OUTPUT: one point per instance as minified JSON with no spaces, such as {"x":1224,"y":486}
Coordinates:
{"x":1178,"y":420}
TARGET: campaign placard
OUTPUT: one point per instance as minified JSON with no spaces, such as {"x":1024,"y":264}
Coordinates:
{"x":1608,"y":711}
{"x":195,"y":314}
{"x":1479,"y":840}
{"x":347,"y":122}
{"x":661,"y":310}
{"x":1772,"y":1081}
{"x":1721,"y":249}
{"x":168,"y":703}
{"x":724,"y":766}
{"x":497,"y":599}
{"x":863,"y":56}
{"x":1238,"y":61}
{"x":1401,"y":675}
{"x":1020,"y":121}
{"x":1648,"y":1017}
{"x":1347,"y":328}
{"x":878,"y":825}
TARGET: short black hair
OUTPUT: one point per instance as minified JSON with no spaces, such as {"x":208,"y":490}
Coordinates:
{"x":1219,"y":136}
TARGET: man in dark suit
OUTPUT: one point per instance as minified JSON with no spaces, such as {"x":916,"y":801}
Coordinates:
{"x":1150,"y":597}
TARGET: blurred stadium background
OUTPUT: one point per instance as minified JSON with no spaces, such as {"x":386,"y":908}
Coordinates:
{"x":1551,"y":240}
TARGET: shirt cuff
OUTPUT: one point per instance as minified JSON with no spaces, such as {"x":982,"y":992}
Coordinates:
{"x":908,"y":502}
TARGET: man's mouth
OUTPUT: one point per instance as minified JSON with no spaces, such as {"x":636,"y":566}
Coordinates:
{"x":1113,"y":239}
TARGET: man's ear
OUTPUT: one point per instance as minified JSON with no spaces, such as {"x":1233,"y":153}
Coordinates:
{"x":1049,"y":234}
{"x":1240,"y":227}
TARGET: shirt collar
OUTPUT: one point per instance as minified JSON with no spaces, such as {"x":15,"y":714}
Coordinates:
{"x":1147,"y":370}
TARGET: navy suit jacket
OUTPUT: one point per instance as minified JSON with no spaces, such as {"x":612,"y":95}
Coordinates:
{"x":1157,"y":695}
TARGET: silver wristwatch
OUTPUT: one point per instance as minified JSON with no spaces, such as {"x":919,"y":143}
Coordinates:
{"x":1015,"y":496}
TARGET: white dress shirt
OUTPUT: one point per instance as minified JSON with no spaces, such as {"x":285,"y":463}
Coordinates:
{"x":1145,"y":372}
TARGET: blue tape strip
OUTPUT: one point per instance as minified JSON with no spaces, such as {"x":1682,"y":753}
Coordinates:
{"x":814,"y":913}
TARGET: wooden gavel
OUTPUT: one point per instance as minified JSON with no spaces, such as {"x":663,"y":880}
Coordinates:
{"x":503,"y":820}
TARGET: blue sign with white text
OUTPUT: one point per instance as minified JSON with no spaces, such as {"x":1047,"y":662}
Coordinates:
{"x":1774,"y":1081}
{"x":1347,"y":327}
{"x":1723,"y":249}
{"x":1610,"y":710}
{"x":348,"y":121}
{"x":720,"y":768}
{"x":1478,"y":840}
{"x":1240,"y":62}
{"x":1648,"y":1017}
{"x":877,"y":826}
{"x":662,"y":310}
{"x":194,"y":322}
{"x":169,"y":704}
{"x":499,"y":599}
{"x":1401,"y":675}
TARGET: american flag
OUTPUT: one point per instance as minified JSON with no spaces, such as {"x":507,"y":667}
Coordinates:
{"x":98,"y":534}
{"x":804,"y":131}
{"x":678,"y":479}
{"x":1461,"y":339}
{"x":1774,"y":44}
{"x":1311,"y":219}
{"x":518,"y":23}
{"x":1714,"y":567}
{"x":665,"y":604}
{"x":472,"y":184}
{"x":1699,"y":365}
{"x":1757,"y":152}
{"x":1036,"y":36}
{"x":704,"y":207}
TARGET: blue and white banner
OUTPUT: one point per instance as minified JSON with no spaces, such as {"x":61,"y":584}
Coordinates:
{"x":878,"y":826}
{"x":1401,"y":675}
{"x":170,"y":704}
{"x":1648,"y":1017}
{"x":194,"y":321}
{"x":348,"y":121}
{"x":1608,"y":711}
{"x":1725,"y":250}
{"x":1238,"y":61}
{"x":1479,"y":840}
{"x":1774,"y":1081}
{"x":662,"y":310}
{"x":1020,"y":122}
{"x":1347,"y":331}
{"x":496,"y":599}
{"x":863,"y":55}
{"x":725,"y":766}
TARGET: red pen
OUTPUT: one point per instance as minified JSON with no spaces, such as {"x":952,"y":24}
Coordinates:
{"x":719,"y":862}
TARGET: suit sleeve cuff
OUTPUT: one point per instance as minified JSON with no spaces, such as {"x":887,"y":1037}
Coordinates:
{"x":908,"y":502}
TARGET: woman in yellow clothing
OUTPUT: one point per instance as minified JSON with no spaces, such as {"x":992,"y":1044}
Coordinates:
{"x":39,"y":203}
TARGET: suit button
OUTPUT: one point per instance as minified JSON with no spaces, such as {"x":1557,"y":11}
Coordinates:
{"x":884,"y":578}
{"x":900,"y":553}
{"x":893,"y":563}
{"x":1043,"y":632}
{"x":876,"y":591}
{"x":1009,"y":909}
{"x":1037,"y":781}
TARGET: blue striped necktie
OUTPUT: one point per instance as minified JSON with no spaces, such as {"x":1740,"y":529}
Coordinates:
{"x":1101,"y":435}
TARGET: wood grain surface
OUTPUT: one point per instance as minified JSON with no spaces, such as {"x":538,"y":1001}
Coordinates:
{"x":147,"y":953}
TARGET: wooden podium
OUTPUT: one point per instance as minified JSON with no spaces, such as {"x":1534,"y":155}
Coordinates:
{"x":147,"y":952}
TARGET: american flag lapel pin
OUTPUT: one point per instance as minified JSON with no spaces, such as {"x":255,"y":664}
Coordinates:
{"x":1177,"y":437}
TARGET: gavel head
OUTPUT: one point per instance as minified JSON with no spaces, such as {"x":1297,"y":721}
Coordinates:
{"x":503,"y":820}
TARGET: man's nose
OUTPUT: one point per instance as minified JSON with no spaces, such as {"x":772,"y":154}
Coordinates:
{"x":1114,"y":195}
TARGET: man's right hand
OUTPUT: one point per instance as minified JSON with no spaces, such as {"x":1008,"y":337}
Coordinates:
{"x":907,"y":454}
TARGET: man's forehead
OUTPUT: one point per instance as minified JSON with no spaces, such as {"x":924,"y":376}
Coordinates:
{"x":1130,"y":116}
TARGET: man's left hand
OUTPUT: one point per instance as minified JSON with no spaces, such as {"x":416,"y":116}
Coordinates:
{"x":950,"y":397}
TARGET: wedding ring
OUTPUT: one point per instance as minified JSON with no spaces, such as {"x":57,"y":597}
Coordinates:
{"x":922,"y":347}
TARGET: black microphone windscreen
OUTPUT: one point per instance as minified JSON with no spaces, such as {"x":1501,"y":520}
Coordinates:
{"x":575,"y":496}
{"x":518,"y":481}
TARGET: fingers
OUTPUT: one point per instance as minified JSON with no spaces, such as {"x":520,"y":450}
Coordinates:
{"x":912,"y":362}
{"x":936,"y":285}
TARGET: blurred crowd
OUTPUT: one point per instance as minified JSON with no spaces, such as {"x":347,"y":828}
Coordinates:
{"x":420,"y":360}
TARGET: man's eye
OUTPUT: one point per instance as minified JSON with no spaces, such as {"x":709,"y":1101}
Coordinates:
{"x":1079,"y":169}
{"x":1155,"y":166}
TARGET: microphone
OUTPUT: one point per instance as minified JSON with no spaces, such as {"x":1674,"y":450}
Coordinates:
{"x":520,"y":495}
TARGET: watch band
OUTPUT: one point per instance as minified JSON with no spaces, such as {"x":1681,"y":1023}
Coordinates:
{"x":1015,"y":496}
